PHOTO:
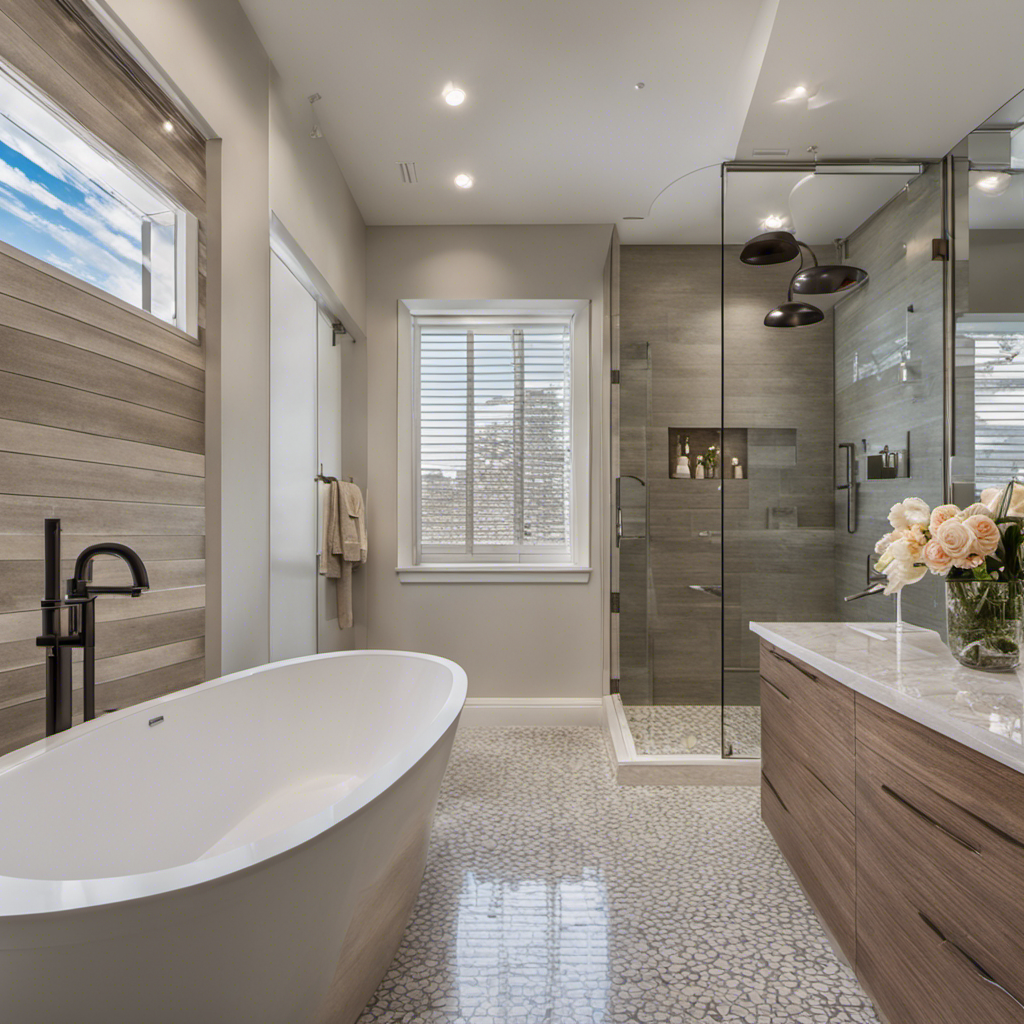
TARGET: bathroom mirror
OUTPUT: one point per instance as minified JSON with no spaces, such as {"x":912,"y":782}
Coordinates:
{"x":987,"y":223}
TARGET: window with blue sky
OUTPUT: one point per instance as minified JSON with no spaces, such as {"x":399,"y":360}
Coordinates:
{"x":68,"y":203}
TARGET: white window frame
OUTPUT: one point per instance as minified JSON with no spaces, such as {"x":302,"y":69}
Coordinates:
{"x":186,"y":240}
{"x":497,"y":568}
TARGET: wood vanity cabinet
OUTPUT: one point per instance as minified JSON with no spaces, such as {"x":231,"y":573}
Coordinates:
{"x":910,"y":846}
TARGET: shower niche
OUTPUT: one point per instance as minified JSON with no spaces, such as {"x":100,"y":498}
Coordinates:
{"x":731,"y":444}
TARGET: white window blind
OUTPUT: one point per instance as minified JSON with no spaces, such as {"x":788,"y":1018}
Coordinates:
{"x":998,"y":405}
{"x":493,"y":447}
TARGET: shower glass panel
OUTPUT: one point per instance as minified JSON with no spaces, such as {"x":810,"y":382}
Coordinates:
{"x":771,"y":455}
{"x":670,"y":354}
{"x":635,"y":680}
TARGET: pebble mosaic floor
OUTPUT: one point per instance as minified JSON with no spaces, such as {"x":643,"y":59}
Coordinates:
{"x":694,"y":729}
{"x":553,"y":896}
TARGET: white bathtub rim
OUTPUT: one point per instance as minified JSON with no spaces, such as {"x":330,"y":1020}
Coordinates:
{"x":21,"y":897}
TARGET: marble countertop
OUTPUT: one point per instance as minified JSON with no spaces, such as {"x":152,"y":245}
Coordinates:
{"x":914,"y":674}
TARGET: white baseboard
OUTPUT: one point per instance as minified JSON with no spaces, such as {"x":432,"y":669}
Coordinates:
{"x":531,"y":712}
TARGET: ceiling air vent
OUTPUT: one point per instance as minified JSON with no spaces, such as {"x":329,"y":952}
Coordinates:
{"x":775,"y":153}
{"x":407,"y":172}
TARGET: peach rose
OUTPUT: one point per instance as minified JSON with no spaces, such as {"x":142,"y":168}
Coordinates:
{"x":985,"y":529}
{"x":979,"y":508}
{"x":968,"y":561}
{"x":940,"y":514}
{"x":937,"y":558}
{"x":955,"y":538}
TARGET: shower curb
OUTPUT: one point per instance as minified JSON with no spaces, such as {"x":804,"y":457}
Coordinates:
{"x":633,"y":769}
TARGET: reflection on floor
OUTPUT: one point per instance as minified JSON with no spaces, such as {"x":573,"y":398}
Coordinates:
{"x":694,"y":729}
{"x":552,"y":895}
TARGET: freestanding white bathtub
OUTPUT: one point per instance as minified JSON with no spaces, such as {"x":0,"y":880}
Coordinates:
{"x":247,"y":850}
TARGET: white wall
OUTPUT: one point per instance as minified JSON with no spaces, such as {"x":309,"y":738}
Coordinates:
{"x":311,"y":198}
{"x":210,"y":51}
{"x":519,"y":639}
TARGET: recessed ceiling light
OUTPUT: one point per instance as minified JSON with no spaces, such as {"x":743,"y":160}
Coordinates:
{"x":640,"y":85}
{"x":773,"y":222}
{"x":992,"y":183}
{"x":168,"y":126}
{"x":463,"y":181}
{"x":453,"y":95}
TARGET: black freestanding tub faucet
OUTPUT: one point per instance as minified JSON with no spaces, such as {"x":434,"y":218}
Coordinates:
{"x":80,"y":603}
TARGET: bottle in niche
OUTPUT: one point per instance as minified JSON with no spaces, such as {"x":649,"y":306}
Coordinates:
{"x":682,"y":465}
{"x":737,"y":469}
{"x":698,"y":473}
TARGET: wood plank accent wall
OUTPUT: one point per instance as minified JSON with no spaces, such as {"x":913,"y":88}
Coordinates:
{"x":101,"y":405}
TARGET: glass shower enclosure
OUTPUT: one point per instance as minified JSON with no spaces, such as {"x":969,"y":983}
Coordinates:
{"x":754,"y":463}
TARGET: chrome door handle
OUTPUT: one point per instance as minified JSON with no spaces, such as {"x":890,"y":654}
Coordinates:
{"x":707,"y":588}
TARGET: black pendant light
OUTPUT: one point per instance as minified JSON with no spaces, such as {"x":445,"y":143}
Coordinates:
{"x":771,"y":247}
{"x":794,"y":314}
{"x":828,"y":280}
{"x":781,"y":247}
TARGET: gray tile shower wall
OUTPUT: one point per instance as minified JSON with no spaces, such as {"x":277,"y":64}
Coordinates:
{"x":778,"y":520}
{"x":873,"y":328}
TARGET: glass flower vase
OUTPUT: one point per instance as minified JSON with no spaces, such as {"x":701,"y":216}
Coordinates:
{"x":985,"y":623}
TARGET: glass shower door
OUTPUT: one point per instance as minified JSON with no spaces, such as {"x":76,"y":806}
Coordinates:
{"x":632,"y":533}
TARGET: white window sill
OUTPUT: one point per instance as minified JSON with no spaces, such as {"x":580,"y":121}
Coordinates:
{"x":469,"y":572}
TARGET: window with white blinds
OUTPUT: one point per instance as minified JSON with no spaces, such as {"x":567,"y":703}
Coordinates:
{"x":998,"y":402}
{"x":493,"y":439}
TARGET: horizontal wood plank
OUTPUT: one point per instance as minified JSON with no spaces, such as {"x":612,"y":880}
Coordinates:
{"x":61,"y":443}
{"x":20,"y":314}
{"x":28,"y":684}
{"x":25,"y":277}
{"x":33,"y":474}
{"x":112,"y":638}
{"x":153,"y":548}
{"x":26,"y":625}
{"x":25,"y":514}
{"x":33,"y":356}
{"x":22,"y":581}
{"x":56,"y":405}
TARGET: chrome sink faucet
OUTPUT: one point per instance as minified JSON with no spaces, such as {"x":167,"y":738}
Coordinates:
{"x":80,"y":603}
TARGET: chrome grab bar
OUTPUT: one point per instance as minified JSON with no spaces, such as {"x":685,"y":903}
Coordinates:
{"x":850,"y":486}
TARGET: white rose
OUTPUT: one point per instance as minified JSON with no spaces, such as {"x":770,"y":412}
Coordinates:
{"x":908,"y":513}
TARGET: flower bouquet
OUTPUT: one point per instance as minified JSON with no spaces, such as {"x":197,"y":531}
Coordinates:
{"x":978,"y":552}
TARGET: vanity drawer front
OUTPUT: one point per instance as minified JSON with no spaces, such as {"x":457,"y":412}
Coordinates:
{"x":832,"y":894}
{"x":829,"y":823}
{"x":989,"y":791}
{"x":812,"y":721}
{"x":962,"y":875}
{"x":916,"y":972}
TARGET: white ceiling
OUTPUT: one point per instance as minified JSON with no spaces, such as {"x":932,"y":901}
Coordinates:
{"x":554,"y":131}
{"x":817,"y":208}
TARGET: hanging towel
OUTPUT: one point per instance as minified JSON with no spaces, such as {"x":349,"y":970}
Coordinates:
{"x":344,"y":542}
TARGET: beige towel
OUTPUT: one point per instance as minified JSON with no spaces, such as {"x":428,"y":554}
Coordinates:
{"x":344,"y":542}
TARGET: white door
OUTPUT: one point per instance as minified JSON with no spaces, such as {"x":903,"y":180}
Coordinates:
{"x":294,"y":321}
